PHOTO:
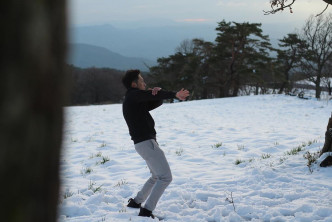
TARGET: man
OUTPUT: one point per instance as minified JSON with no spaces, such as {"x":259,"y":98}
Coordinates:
{"x":136,"y":106}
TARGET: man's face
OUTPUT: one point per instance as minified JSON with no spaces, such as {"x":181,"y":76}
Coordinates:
{"x":140,"y":83}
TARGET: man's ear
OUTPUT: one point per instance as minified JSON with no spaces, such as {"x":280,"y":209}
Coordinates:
{"x":133,"y":84}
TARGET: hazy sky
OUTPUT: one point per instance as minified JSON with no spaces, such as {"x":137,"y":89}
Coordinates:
{"x":130,"y":14}
{"x":94,"y":12}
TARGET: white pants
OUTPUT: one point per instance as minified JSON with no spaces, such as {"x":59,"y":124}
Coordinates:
{"x":161,"y":175}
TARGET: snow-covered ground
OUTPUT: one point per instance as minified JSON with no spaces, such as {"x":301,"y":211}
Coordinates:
{"x":232,"y":159}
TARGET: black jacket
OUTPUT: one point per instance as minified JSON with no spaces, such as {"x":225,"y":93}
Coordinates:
{"x":136,"y":107}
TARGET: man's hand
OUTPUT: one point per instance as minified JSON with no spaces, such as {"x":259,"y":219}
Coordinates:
{"x":155,"y":90}
{"x":182,"y":94}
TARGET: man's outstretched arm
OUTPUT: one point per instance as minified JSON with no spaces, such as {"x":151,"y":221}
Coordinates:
{"x":181,"y":95}
{"x":158,"y":94}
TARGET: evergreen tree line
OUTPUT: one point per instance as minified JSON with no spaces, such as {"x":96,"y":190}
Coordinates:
{"x":240,"y":62}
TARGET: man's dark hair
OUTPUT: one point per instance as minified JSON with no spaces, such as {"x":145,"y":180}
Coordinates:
{"x":129,"y":77}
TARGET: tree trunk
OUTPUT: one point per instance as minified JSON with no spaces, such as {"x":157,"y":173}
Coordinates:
{"x":285,"y":83}
{"x":318,"y":88}
{"x":235,"y":91}
{"x":318,"y":91}
{"x":222,"y":91}
{"x":327,"y":144}
{"x":33,"y":91}
{"x":205,"y":92}
{"x":282,"y":87}
{"x":236,"y":85}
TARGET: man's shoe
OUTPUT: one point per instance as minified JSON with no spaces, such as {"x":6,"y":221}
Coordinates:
{"x":145,"y":213}
{"x":133,"y":204}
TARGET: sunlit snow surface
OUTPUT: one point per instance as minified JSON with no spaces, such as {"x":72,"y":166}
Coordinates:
{"x":203,"y":141}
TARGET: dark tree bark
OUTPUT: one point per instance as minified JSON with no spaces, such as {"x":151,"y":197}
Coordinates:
{"x":33,"y":92}
{"x":328,"y":138}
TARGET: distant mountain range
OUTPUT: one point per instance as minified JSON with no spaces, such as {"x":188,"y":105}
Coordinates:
{"x":133,"y":47}
{"x":85,"y":56}
{"x":141,"y":42}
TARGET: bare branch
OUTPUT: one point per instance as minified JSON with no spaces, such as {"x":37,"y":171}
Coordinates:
{"x":279,"y":5}
{"x":323,"y":10}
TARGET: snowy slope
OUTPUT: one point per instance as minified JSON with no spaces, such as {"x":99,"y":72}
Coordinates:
{"x":220,"y":151}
